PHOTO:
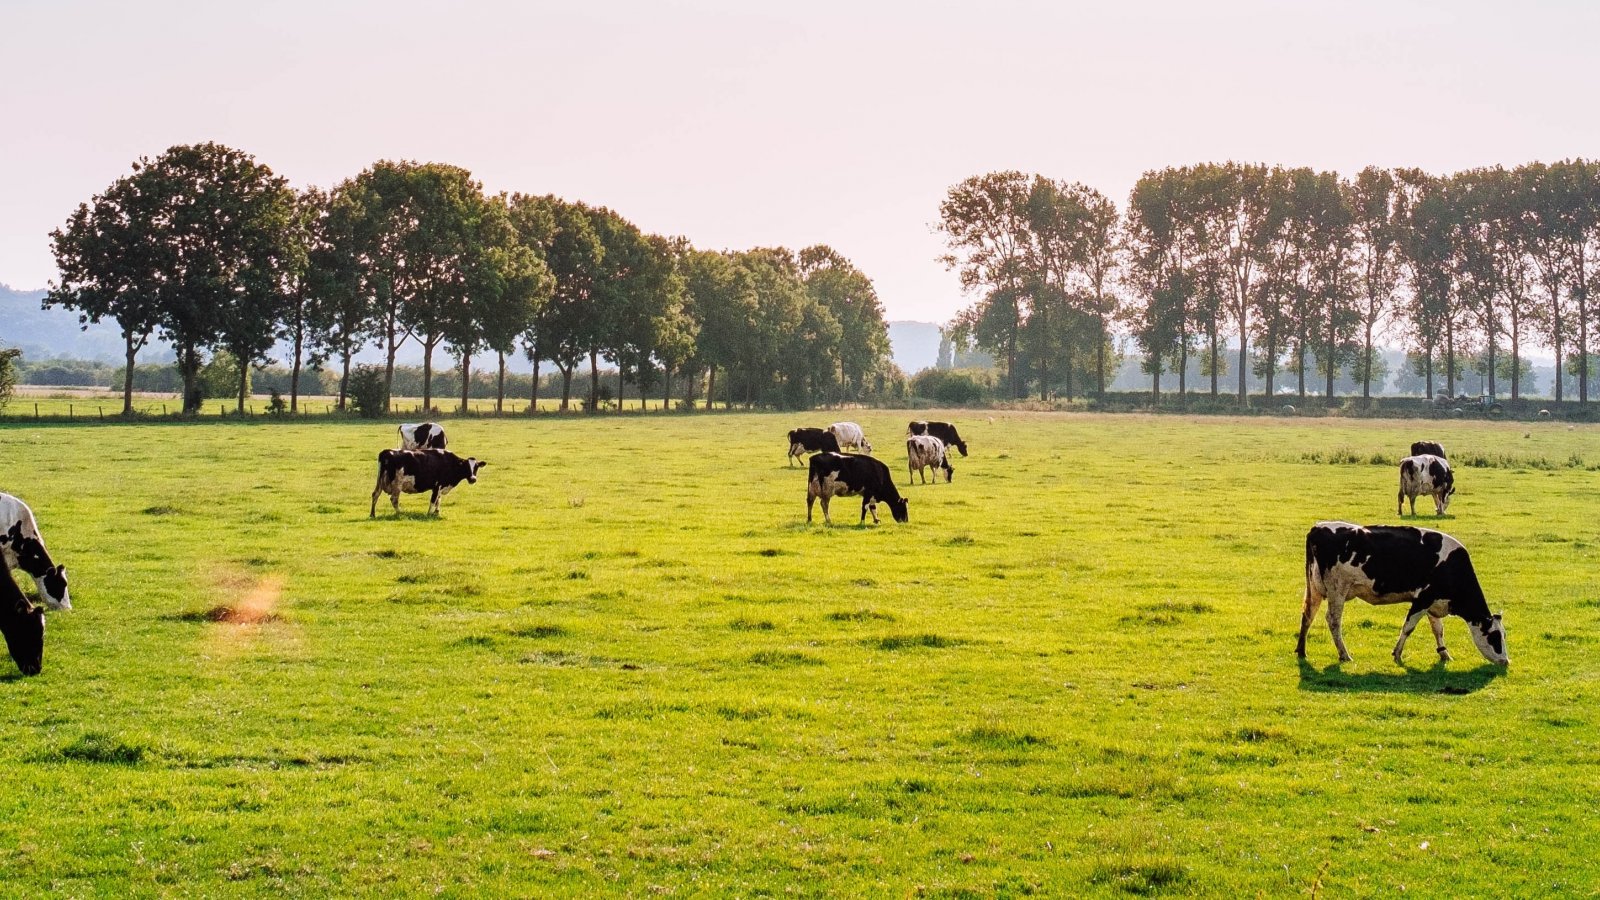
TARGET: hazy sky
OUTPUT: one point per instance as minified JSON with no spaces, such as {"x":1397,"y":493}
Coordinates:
{"x":741,"y":124}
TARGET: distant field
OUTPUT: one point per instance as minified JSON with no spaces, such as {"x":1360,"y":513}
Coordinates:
{"x":622,"y":662}
{"x":95,"y":404}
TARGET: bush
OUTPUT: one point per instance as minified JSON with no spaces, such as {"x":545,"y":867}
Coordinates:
{"x":8,"y":374}
{"x":948,"y":388}
{"x":219,"y":378}
{"x":367,"y":395}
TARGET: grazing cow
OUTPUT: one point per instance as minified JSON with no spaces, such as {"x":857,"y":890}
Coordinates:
{"x":23,"y":548}
{"x":1429,"y":475}
{"x":811,"y":440}
{"x":850,"y":435}
{"x":944,"y":431}
{"x":845,"y":475}
{"x":1432,"y":448}
{"x":1384,"y":564}
{"x":424,"y":436}
{"x":22,"y":623}
{"x":416,"y":471}
{"x":924,"y":450}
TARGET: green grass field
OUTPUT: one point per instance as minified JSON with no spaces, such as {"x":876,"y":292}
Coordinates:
{"x":623,"y":663}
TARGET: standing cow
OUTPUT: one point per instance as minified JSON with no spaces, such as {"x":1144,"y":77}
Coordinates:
{"x":944,"y":431}
{"x":419,"y":471}
{"x":1384,"y":564}
{"x":810,"y":440}
{"x":924,"y":451}
{"x":423,"y":436}
{"x":1428,"y":475}
{"x":23,"y":548}
{"x":846,"y":475}
{"x":21,"y":623}
{"x":849,"y":434}
{"x":1433,"y":448}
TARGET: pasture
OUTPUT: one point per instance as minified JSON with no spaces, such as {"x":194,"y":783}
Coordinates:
{"x":623,"y":663}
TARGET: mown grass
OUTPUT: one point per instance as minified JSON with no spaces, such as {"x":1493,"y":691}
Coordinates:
{"x":1072,"y":672}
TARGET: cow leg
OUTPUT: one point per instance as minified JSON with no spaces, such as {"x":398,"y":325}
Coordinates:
{"x":811,"y":500}
{"x":826,"y":519}
{"x":1413,"y":504}
{"x":433,"y":502}
{"x":1438,"y":504}
{"x":1308,"y":612}
{"x":1336,"y":627}
{"x":1413,"y":619}
{"x":1400,"y":502}
{"x":1438,"y":637}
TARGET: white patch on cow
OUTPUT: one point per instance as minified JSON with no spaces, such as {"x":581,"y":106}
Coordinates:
{"x":849,"y":434}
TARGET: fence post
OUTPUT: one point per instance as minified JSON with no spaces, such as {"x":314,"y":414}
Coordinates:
{"x":36,"y":410}
{"x":102,"y":412}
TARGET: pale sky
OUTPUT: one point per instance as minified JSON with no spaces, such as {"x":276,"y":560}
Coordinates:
{"x":741,"y":124}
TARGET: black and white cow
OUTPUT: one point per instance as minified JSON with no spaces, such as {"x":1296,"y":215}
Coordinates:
{"x":923,"y":451}
{"x":811,"y":440}
{"x":419,"y":471}
{"x":422,"y":436}
{"x":850,"y":435}
{"x":21,"y":623}
{"x":1384,"y":564}
{"x":846,"y":475}
{"x":23,"y":548}
{"x":1432,"y":448}
{"x":1428,"y":475}
{"x":944,"y":431}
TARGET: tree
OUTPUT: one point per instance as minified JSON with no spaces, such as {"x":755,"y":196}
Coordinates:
{"x":722,"y":294}
{"x":191,"y":242}
{"x":301,"y":237}
{"x":8,"y":373}
{"x":1161,"y":270}
{"x":533,"y":220}
{"x":342,"y":313}
{"x":985,"y":223}
{"x":1374,"y":198}
{"x":849,"y":296}
{"x":108,"y":263}
{"x":1427,"y":250}
{"x":562,"y":331}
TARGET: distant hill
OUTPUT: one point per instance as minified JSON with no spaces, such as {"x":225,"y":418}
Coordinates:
{"x":914,"y":345}
{"x":48,"y":333}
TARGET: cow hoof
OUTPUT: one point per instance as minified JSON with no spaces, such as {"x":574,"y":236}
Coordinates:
{"x":1444,"y":656}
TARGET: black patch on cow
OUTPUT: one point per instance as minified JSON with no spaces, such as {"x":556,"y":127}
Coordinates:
{"x":1442,"y":477}
{"x":1431,"y":448}
{"x":22,"y":624}
{"x":813,"y":440}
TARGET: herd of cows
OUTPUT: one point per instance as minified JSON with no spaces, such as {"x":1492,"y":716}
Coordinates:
{"x":1381,"y":564}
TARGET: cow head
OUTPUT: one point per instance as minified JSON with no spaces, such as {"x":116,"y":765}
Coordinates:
{"x":897,"y":507}
{"x":53,"y":588}
{"x":962,"y":446}
{"x":23,"y":627}
{"x":473,"y":465}
{"x":1490,"y":636}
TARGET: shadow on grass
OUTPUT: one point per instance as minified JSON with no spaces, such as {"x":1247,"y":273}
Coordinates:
{"x":1422,"y":518}
{"x":389,"y":515}
{"x":1436,"y":679}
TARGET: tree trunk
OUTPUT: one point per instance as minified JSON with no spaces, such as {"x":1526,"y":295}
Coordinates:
{"x":1244,"y":356}
{"x":711,"y":384}
{"x":566,"y":386}
{"x":299,"y":349}
{"x":500,"y":385}
{"x":427,"y":377}
{"x":244,"y":382}
{"x":466,"y":378}
{"x":533,"y":399}
{"x":1428,"y":363}
{"x":594,"y":381}
{"x":666,"y":389}
{"x":1366,"y":368}
{"x":1450,"y":358}
{"x":189,"y":365}
{"x":1100,"y":356}
{"x":1183,"y":369}
{"x":344,"y":379}
{"x":1155,"y":379}
{"x":1327,"y":364}
{"x":1583,"y":331}
{"x":388,"y":373}
{"x":127,"y":378}
{"x":1215,"y":353}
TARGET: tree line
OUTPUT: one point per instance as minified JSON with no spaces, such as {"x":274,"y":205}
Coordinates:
{"x":210,"y":249}
{"x":1300,"y":269}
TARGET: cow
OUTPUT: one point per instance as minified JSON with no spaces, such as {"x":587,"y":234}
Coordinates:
{"x":850,"y":435}
{"x":1429,"y":475}
{"x":21,"y":623}
{"x":811,"y":440}
{"x":423,"y":436}
{"x":924,"y":450}
{"x":846,"y":475}
{"x":23,"y":548}
{"x":416,"y":471}
{"x":1432,"y":448}
{"x":1384,"y":564}
{"x":944,"y":431}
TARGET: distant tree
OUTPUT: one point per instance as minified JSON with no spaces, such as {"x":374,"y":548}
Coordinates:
{"x":109,"y":261}
{"x":566,"y":327}
{"x":985,"y":223}
{"x":1374,"y":199}
{"x":533,"y":220}
{"x":302,"y":235}
{"x":850,"y":298}
{"x":723,"y":297}
{"x":192,"y":241}
{"x":341,"y":310}
{"x":8,"y":373}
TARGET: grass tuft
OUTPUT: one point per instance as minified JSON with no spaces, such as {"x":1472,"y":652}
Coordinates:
{"x":161,"y":510}
{"x":98,"y":747}
{"x":743,"y":624}
{"x":911,"y":641}
{"x":538,"y":631}
{"x":783,"y":658}
{"x":859,"y":615}
{"x":1144,"y":876}
{"x":997,"y":738}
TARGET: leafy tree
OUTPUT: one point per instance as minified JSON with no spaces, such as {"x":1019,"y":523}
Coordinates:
{"x":1161,"y":270}
{"x":848,"y":295}
{"x":1374,"y":198}
{"x":985,"y":223}
{"x":342,"y":309}
{"x":8,"y":373}
{"x":723,"y":296}
{"x":566,"y":327}
{"x":301,"y":237}
{"x":534,"y":224}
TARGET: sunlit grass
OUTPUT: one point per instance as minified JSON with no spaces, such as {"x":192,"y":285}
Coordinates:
{"x":622,"y":663}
